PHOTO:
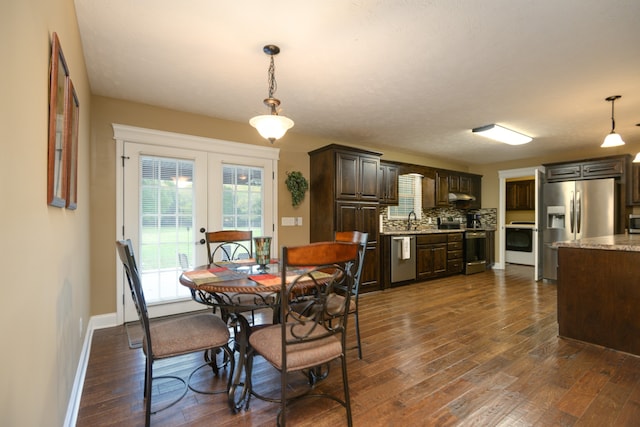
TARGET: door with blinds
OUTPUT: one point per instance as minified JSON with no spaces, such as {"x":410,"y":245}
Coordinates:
{"x":168,"y":197}
{"x":165,"y":206}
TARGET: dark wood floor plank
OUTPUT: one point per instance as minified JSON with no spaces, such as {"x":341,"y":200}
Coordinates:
{"x":473,"y":350}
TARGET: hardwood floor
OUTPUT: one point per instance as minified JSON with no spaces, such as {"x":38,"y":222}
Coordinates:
{"x":476,"y":350}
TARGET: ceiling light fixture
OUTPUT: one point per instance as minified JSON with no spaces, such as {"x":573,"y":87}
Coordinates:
{"x":502,"y":134}
{"x":613,"y":139}
{"x":272,"y":126}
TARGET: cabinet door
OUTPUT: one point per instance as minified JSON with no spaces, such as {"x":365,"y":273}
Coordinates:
{"x":634,"y":198}
{"x":454,"y":183}
{"x":388,"y":188}
{"x":347,"y":176}
{"x":442,"y":189}
{"x":431,"y":260}
{"x":439,"y":259}
{"x":466,"y":184}
{"x":368,"y":178}
{"x":428,"y":192}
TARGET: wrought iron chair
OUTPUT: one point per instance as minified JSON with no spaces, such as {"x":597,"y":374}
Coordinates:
{"x":173,"y":337}
{"x":308,"y":335}
{"x":361,"y":240}
{"x":230,"y":244}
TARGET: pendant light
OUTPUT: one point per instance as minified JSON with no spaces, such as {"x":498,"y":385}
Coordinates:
{"x":271,"y":126}
{"x":613,"y":139}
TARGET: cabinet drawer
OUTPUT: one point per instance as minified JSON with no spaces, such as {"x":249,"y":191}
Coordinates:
{"x":454,"y":266}
{"x":454,"y":255}
{"x":427,"y":239}
{"x":454,"y":246}
{"x":455,"y":237}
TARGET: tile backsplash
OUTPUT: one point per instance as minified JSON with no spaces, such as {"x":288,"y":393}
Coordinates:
{"x":488,"y":217}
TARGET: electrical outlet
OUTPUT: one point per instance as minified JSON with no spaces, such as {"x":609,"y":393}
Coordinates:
{"x":299,"y":221}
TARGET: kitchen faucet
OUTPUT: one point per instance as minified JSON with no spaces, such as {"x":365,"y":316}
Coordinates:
{"x":409,"y":219}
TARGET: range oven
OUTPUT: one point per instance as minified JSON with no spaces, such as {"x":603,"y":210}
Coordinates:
{"x":475,"y":251}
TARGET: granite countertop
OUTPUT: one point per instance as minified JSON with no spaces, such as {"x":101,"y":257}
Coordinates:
{"x":616,"y":242}
{"x":433,"y":231}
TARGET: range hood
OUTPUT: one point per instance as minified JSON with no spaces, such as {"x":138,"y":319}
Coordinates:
{"x":460,"y":197}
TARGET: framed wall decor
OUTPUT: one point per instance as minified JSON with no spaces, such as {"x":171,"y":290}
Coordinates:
{"x":58,"y":99}
{"x":71,"y":144}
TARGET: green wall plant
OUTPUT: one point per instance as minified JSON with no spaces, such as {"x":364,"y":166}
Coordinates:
{"x":297,"y":184}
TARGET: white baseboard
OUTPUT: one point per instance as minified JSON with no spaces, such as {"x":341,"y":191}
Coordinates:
{"x":96,"y":322}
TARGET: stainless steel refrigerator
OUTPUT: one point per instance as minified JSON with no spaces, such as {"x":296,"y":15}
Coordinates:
{"x":575,"y":210}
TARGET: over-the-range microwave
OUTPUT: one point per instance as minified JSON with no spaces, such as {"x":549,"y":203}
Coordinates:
{"x":634,"y":223}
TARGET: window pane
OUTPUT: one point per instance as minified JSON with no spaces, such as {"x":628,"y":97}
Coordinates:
{"x":166,"y":225}
{"x":242,"y":198}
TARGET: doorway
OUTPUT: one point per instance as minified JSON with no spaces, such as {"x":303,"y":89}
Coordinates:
{"x":171,"y":188}
{"x":538,"y":173}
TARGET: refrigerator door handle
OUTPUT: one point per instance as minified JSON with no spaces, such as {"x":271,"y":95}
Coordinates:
{"x":578,"y":212}
{"x":571,"y":211}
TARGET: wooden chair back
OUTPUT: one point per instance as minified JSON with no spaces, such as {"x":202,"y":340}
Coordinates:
{"x":229,"y":244}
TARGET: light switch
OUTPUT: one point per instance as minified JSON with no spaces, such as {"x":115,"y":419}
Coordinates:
{"x":288,"y":221}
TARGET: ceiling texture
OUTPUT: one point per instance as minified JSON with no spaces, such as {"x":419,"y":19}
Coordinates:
{"x":412,"y":75}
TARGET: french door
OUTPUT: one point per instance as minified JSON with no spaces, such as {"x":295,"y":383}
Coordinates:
{"x":165,"y":204}
{"x":169,"y":196}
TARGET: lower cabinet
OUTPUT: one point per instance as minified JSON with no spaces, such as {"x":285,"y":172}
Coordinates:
{"x":455,"y":253}
{"x":363,"y":217}
{"x":431,"y":251}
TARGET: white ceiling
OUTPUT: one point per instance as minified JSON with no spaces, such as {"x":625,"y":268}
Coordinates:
{"x":414,"y":75}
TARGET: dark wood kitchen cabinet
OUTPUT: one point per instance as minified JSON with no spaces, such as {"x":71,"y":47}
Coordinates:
{"x":457,"y":182}
{"x":431,"y":250}
{"x":344,"y":196}
{"x":442,"y":189}
{"x":520,"y":195}
{"x":388,"y":184}
{"x":603,"y":167}
{"x":357,"y":176}
{"x":490,"y":250}
{"x":633,"y":197}
{"x":455,"y":253}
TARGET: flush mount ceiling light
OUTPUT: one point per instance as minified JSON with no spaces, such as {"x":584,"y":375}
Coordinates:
{"x":502,"y":134}
{"x":272,"y":126}
{"x":613,"y":139}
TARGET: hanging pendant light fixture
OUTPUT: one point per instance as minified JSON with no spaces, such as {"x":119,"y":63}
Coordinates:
{"x":613,"y":139}
{"x":272,"y":126}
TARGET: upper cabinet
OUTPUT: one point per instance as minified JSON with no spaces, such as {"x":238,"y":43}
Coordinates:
{"x":604,"y":167}
{"x":357,"y":176}
{"x":388,"y":183}
{"x":520,"y":195}
{"x":458,"y":182}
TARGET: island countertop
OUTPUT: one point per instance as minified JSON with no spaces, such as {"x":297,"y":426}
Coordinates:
{"x":615,"y":242}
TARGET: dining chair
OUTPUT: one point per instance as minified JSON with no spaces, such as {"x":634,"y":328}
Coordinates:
{"x":173,"y":337}
{"x":308,"y":335}
{"x":361,"y":239}
{"x":230,"y":244}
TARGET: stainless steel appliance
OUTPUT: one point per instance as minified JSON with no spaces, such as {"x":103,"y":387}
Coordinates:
{"x":574,"y":210}
{"x":634,"y":223}
{"x":475,"y":251}
{"x":403,"y":258}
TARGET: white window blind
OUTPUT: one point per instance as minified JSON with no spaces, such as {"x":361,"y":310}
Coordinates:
{"x":409,"y":197}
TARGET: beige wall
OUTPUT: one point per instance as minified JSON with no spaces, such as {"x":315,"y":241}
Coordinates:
{"x":106,"y":111}
{"x":45,"y":255}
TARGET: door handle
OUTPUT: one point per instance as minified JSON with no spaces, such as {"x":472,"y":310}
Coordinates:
{"x":202,"y":229}
{"x":202,"y":241}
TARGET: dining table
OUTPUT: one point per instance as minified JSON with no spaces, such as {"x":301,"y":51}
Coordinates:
{"x":236,"y":287}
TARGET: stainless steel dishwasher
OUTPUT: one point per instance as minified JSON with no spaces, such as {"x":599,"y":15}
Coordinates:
{"x":403,"y":258}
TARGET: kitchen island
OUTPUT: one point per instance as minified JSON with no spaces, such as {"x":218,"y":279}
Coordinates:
{"x":599,"y":291}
